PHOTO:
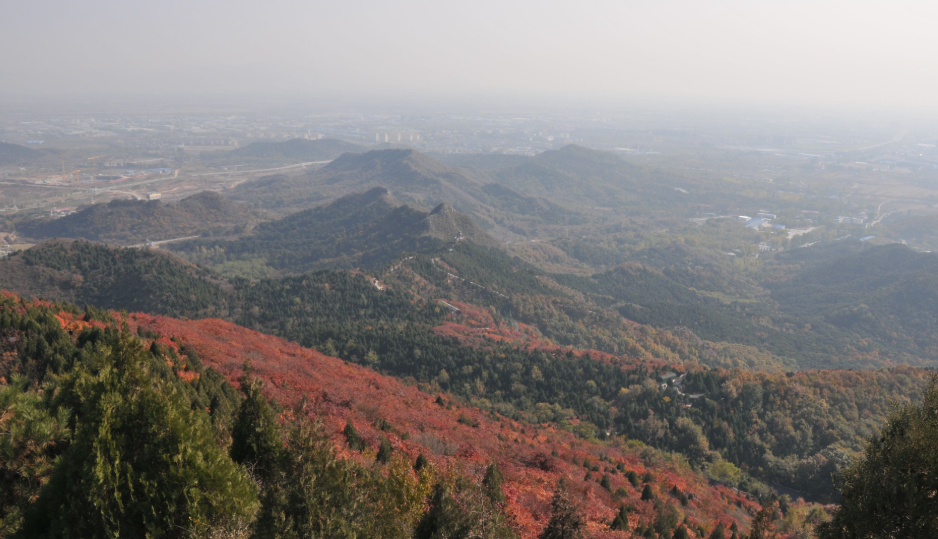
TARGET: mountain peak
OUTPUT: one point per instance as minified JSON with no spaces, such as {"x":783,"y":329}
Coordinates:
{"x":443,"y":209}
{"x":445,"y":223}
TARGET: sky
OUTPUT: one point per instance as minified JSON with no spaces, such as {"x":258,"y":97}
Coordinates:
{"x":871,"y":55}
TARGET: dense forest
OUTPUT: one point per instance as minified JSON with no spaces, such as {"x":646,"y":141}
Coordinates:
{"x":127,"y":222}
{"x":131,"y":279}
{"x":791,"y":429}
{"x":111,"y":428}
{"x":107,"y":433}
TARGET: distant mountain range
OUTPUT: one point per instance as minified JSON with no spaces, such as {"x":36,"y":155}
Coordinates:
{"x":359,"y":230}
{"x":415,"y":178}
{"x":129,"y":222}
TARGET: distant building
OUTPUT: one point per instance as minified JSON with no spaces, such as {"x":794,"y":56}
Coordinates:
{"x":154,"y":196}
{"x":867,"y":238}
{"x":756,"y":223}
{"x":762,"y":215}
{"x":844,"y":220}
{"x":744,"y":218}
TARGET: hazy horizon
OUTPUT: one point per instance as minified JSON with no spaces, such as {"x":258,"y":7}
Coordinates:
{"x":857,"y":55}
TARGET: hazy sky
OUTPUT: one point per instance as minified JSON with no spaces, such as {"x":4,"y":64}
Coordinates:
{"x":880,"y":54}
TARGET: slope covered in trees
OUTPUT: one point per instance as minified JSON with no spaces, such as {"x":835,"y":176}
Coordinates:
{"x":137,"y":221}
{"x":890,"y":491}
{"x":310,"y":446}
{"x":509,"y":340}
{"x":14,"y":154}
{"x":131,"y":279}
{"x":847,"y":305}
{"x":414,"y":178}
{"x":365,"y":230}
{"x":530,"y":457}
{"x":410,"y":175}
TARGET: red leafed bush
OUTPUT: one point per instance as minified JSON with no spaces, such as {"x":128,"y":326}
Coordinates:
{"x":459,"y":436}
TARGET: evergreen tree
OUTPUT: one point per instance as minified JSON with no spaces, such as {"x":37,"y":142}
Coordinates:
{"x":351,"y":436}
{"x":142,"y":462}
{"x":444,"y":519}
{"x":605,"y":483}
{"x":633,"y":478}
{"x":566,"y":522}
{"x":257,"y":444}
{"x":621,"y":522}
{"x":492,"y":484}
{"x":256,"y":440}
{"x":325,"y":496}
{"x":761,"y":526}
{"x":384,"y":451}
{"x":647,"y":493}
{"x":717,"y":532}
{"x":420,"y":462}
{"x":890,"y":491}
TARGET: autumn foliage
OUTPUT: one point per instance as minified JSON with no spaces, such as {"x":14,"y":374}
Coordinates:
{"x":533,"y":458}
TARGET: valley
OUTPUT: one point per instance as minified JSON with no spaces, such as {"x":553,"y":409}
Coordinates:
{"x":574,"y":314}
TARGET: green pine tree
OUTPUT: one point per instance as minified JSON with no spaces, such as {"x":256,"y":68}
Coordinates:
{"x":647,"y":493}
{"x":890,"y":491}
{"x":355,"y":441}
{"x":566,"y":522}
{"x":717,"y":532}
{"x":384,"y":451}
{"x":621,"y":522}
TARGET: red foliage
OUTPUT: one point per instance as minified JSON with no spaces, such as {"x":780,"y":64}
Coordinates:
{"x":533,"y":458}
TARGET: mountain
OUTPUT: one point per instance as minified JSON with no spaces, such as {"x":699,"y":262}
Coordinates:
{"x":887,"y":294}
{"x":14,"y":154}
{"x":137,"y":221}
{"x":583,"y":176}
{"x":532,"y":458}
{"x":482,"y":326}
{"x":296,"y":150}
{"x":328,"y":444}
{"x":414,"y":178}
{"x":360,"y":230}
{"x":92,"y":274}
{"x":592,"y":182}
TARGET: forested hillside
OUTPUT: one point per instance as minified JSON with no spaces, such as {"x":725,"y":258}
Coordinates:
{"x":131,"y":279}
{"x":364,"y":230}
{"x":128,"y":222}
{"x":507,"y":340}
{"x":306,"y":445}
{"x":14,"y":154}
{"x":413,"y":178}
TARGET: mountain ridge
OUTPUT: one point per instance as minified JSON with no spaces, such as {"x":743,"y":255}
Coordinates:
{"x":137,"y":221}
{"x":365,"y":229}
